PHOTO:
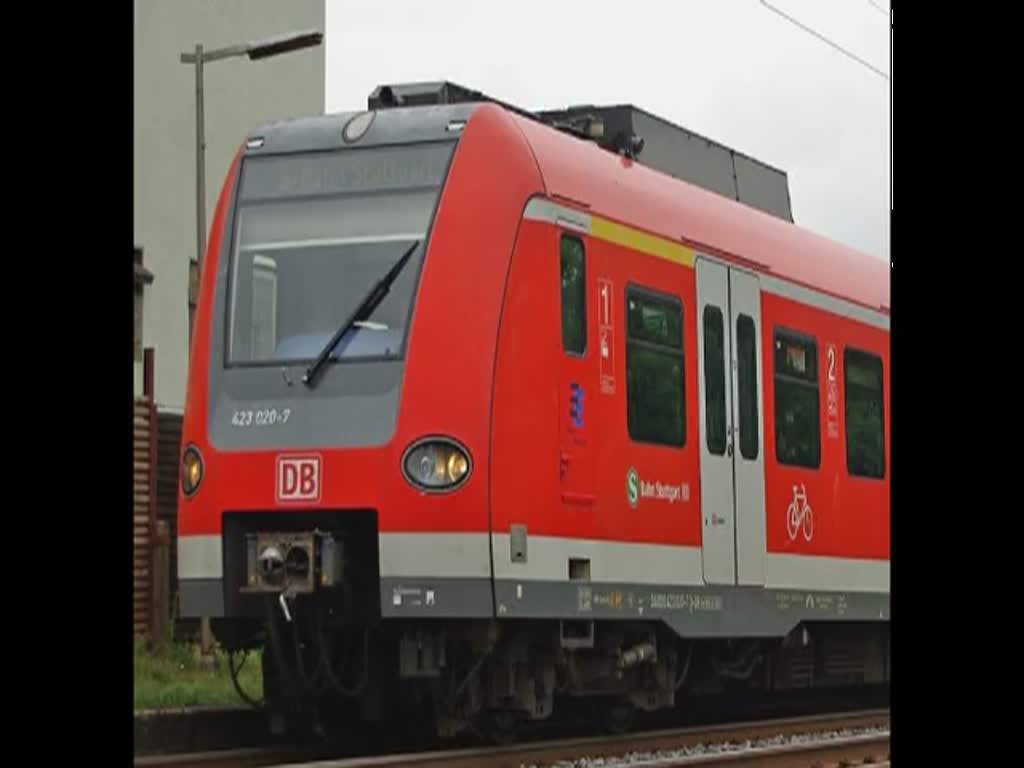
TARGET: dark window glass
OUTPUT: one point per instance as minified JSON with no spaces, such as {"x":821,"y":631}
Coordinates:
{"x":714,"y":379}
{"x":746,"y":355}
{"x":655,"y":396}
{"x":797,"y":416}
{"x":574,"y":303}
{"x":656,"y":318}
{"x":865,"y":428}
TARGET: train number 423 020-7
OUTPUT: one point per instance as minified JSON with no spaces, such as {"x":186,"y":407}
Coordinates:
{"x":263,"y":417}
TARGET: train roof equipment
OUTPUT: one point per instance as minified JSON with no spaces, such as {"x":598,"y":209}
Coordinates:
{"x":632,"y":132}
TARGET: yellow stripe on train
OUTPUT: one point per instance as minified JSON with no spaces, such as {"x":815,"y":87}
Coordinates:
{"x":641,"y":241}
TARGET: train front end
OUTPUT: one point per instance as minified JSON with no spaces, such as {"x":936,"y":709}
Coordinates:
{"x":335,"y":444}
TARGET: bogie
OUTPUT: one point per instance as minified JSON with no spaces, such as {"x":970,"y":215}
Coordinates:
{"x":492,"y":678}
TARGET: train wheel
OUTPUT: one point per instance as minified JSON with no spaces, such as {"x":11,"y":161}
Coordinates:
{"x":502,"y":727}
{"x":338,"y":721}
{"x":617,"y":716}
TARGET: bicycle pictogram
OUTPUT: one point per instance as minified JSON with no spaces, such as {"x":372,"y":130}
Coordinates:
{"x":799,"y":512}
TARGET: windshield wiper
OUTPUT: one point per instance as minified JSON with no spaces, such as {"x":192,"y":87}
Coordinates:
{"x":363,"y":311}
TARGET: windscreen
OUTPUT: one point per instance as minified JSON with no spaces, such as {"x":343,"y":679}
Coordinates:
{"x":314,"y":233}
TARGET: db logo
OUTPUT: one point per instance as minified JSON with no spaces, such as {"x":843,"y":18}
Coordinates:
{"x":298,"y":478}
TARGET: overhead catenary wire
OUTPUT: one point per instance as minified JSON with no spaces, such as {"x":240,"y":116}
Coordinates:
{"x":825,"y":40}
{"x":880,"y":9}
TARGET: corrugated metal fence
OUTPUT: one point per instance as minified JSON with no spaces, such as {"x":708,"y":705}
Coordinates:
{"x":157,"y":441}
{"x":168,"y":451}
{"x":143,"y":512}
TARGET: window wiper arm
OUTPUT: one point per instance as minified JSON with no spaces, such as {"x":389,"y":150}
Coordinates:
{"x":366,"y":306}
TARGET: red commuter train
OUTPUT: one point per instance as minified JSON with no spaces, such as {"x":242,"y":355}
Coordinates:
{"x":486,"y":416}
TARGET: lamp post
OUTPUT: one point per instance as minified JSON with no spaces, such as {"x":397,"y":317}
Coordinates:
{"x":261,"y":49}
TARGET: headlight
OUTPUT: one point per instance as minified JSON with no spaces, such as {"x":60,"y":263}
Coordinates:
{"x":436,"y":464}
{"x":191,"y":470}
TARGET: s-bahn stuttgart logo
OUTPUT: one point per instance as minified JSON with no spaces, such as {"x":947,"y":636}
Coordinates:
{"x":637,"y":489}
{"x":632,"y":487}
{"x":298,"y":478}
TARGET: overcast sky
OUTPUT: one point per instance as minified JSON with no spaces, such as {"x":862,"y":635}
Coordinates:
{"x":731,"y":70}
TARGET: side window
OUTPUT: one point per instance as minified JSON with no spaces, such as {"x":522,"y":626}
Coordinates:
{"x":655,"y":396}
{"x":714,"y":379}
{"x":574,"y":295}
{"x":797,"y":413}
{"x":746,"y":355}
{"x":865,"y":414}
{"x":264,"y":307}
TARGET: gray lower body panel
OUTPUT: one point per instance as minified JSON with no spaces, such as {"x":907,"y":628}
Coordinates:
{"x":689,"y":611}
{"x":436,"y":598}
{"x":199,"y":598}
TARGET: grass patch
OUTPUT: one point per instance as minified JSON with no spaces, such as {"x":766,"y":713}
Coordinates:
{"x":177,"y":678}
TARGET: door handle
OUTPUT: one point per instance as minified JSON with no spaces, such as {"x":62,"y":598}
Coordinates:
{"x":563,"y":463}
{"x":729,"y":449}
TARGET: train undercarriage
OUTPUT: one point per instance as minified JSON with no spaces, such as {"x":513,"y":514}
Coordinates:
{"x":299,"y":595}
{"x":490,"y":677}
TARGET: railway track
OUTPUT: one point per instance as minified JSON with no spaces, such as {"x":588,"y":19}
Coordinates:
{"x":839,"y":739}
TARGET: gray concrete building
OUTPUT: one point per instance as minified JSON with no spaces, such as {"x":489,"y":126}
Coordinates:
{"x":238,"y":94}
